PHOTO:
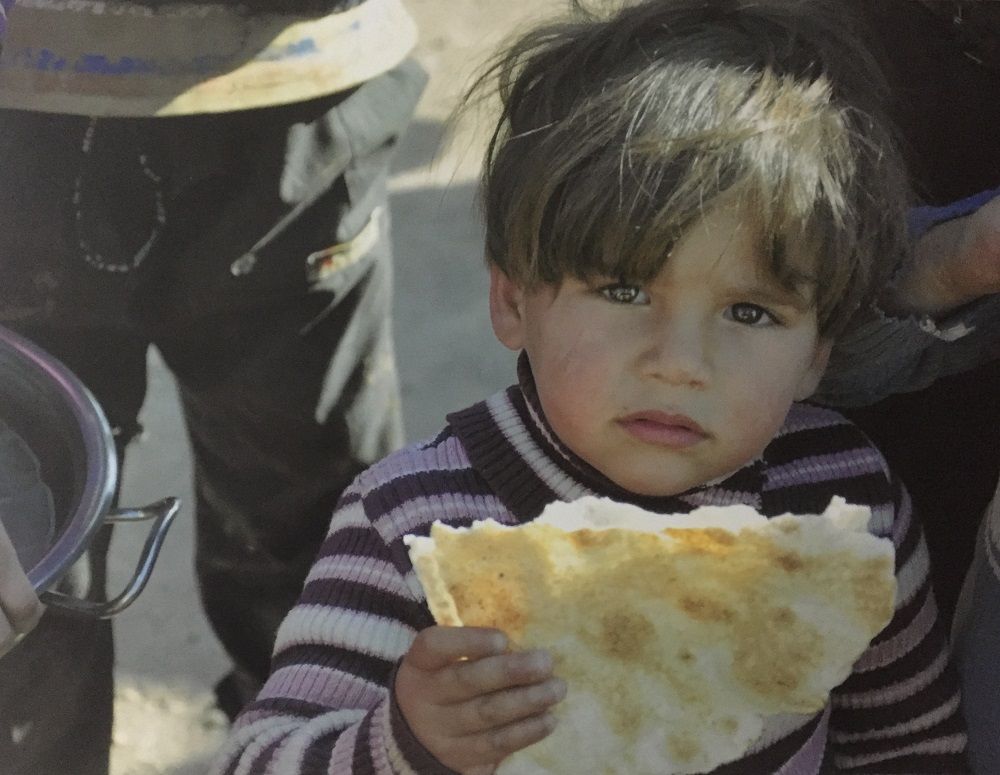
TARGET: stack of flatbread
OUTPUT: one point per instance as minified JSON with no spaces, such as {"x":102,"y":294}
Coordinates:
{"x":678,"y":636}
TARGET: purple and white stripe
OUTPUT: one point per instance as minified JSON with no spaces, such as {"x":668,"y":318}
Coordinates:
{"x":327,"y":707}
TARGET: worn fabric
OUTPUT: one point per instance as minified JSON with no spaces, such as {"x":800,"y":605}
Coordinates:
{"x":252,"y":250}
{"x":328,"y":708}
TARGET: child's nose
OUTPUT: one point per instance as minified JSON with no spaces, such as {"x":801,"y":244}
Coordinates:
{"x":677,"y":355}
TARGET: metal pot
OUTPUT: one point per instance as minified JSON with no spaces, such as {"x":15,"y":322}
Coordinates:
{"x":51,"y":410}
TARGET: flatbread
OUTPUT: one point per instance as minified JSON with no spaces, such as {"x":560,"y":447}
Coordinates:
{"x":678,"y":636}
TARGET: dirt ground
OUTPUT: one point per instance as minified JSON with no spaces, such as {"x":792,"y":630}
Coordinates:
{"x":168,"y":659}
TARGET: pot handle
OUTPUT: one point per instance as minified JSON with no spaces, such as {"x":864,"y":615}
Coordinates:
{"x":163,"y":512}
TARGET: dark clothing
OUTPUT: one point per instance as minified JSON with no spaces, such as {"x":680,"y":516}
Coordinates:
{"x":252,"y":249}
{"x":943,"y":61}
{"x":943,"y":440}
{"x":57,"y":698}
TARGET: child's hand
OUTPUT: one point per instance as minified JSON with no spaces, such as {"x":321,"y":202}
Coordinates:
{"x":20,"y":609}
{"x":470,"y":702}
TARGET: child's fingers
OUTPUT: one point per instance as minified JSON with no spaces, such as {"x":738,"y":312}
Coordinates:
{"x":468,"y":701}
{"x":496,"y":744}
{"x":481,"y":769}
{"x":500,"y":709}
{"x":437,"y":647}
{"x":462,"y":681}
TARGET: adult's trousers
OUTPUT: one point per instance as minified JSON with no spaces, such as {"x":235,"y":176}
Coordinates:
{"x":252,"y":249}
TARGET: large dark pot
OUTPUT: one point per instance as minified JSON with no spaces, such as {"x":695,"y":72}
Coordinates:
{"x":45,"y":404}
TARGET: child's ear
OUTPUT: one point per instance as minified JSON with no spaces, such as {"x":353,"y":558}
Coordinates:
{"x":810,"y":380}
{"x":506,"y":308}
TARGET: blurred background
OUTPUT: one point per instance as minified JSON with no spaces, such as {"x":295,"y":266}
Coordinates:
{"x":168,"y":659}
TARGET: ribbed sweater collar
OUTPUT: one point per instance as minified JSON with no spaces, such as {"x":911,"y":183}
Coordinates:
{"x":510,"y":443}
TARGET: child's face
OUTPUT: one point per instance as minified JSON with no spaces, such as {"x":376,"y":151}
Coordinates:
{"x":671,"y":385}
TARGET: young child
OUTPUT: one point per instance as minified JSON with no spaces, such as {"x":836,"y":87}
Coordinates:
{"x":685,"y":203}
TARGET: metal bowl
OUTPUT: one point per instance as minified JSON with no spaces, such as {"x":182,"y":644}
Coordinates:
{"x":45,"y":404}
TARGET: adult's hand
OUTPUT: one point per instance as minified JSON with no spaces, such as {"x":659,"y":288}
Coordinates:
{"x":954,"y":263}
{"x":20,"y":608}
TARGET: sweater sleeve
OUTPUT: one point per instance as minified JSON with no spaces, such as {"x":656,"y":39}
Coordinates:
{"x":899,"y":712}
{"x":881,"y":355}
{"x":327,"y":706}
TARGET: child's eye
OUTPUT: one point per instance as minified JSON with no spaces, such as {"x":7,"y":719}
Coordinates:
{"x":622,"y":293}
{"x":750,"y":315}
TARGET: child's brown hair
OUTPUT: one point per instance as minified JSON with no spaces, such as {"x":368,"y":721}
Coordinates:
{"x":619,"y":131}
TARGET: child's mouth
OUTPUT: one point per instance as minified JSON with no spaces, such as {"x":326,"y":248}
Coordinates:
{"x":662,"y":429}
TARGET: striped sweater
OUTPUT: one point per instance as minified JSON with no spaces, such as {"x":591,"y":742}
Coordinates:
{"x":327,"y":706}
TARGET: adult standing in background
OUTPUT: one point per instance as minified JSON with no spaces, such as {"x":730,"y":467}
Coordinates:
{"x":943,"y":58}
{"x":209,"y":178}
{"x":20,"y":608}
{"x":943,"y":62}
{"x":943,"y":328}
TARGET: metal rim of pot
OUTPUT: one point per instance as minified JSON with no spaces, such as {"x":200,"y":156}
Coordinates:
{"x":93,"y":507}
